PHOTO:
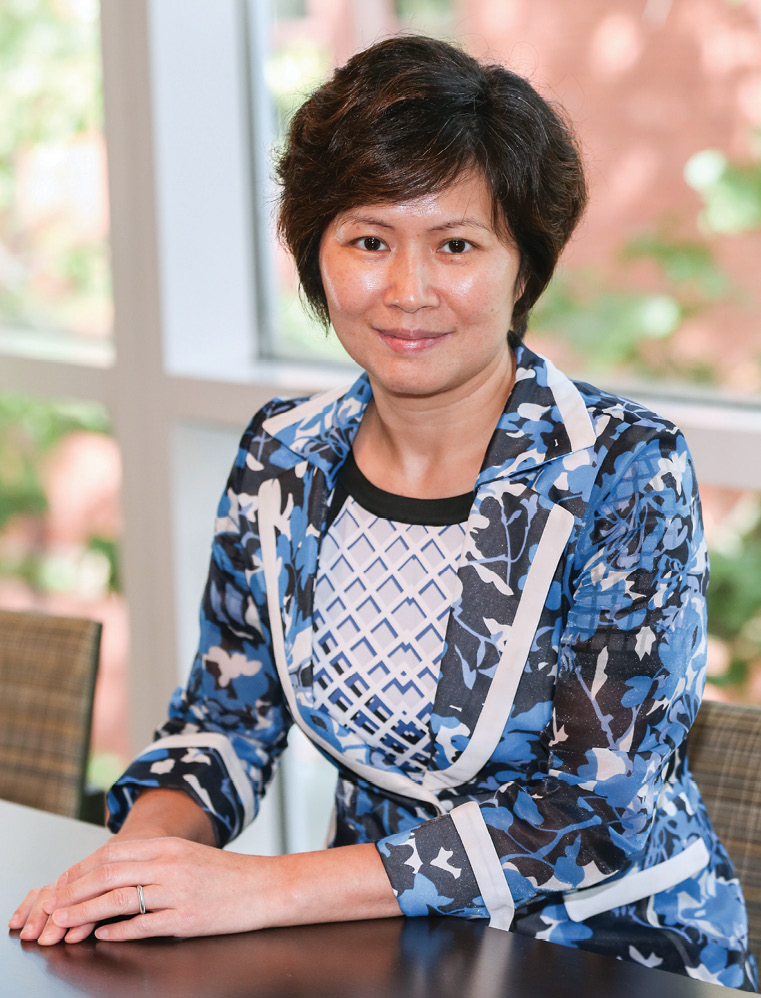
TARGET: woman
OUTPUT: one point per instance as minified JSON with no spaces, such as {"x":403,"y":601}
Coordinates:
{"x":476,"y":586}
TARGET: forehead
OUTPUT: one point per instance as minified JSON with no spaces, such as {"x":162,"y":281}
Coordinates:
{"x":467,"y":201}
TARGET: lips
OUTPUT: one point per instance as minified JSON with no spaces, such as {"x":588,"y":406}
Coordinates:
{"x":407,"y":341}
{"x":411,"y":334}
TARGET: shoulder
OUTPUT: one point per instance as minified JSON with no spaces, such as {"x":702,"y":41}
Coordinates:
{"x":593,"y":443}
{"x":260,"y":453}
{"x":316,"y":428}
{"x":642,"y":457}
{"x":632,"y":441}
{"x":616,"y":418}
{"x":589,"y":417}
{"x":255,"y":431}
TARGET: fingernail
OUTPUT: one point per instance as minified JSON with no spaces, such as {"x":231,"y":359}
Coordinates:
{"x":62,"y":880}
{"x":102,"y":933}
{"x":60,"y":917}
{"x":13,"y":920}
{"x":46,"y":936}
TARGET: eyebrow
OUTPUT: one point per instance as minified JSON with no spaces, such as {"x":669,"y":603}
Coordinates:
{"x":462,"y":222}
{"x":444,"y":227}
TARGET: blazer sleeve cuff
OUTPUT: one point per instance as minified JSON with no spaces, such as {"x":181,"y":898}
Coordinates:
{"x":202,"y":766}
{"x":448,"y":866}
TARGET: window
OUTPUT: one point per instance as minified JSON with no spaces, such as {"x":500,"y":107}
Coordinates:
{"x":54,"y":271}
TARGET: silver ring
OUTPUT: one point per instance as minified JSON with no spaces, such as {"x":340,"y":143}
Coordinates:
{"x":140,"y":899}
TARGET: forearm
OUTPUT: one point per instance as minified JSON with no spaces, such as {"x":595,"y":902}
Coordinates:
{"x":343,"y":884}
{"x":160,"y":813}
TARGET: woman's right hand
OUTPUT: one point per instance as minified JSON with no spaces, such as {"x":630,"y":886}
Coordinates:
{"x":155,"y":814}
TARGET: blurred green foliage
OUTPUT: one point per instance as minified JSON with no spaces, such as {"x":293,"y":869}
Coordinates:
{"x":286,"y":10}
{"x":30,"y":430}
{"x":731,"y":192}
{"x":424,"y":15}
{"x":604,"y":325}
{"x":610,"y":320}
{"x":51,"y":276}
{"x":291,"y":73}
{"x":52,"y":90}
{"x":688,"y":266}
{"x":734,"y":596}
{"x":609,"y":324}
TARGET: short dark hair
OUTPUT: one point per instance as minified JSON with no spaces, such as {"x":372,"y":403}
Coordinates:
{"x":409,"y":116}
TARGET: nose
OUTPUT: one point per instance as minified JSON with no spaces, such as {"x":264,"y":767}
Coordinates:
{"x":410,"y":286}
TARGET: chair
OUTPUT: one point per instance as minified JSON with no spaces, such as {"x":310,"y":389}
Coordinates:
{"x":724,"y":753}
{"x":47,"y":681}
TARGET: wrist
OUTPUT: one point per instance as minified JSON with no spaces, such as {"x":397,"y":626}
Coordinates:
{"x":165,"y":813}
{"x":275,"y":886}
{"x":341,"y":884}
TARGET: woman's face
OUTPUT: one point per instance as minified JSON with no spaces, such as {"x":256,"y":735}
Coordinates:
{"x":421,"y":293}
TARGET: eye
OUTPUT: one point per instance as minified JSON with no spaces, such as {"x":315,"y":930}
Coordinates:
{"x":456,"y":246}
{"x":371,"y":243}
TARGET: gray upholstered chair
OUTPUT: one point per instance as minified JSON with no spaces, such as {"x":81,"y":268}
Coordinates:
{"x":724,"y":751}
{"x":47,"y":680}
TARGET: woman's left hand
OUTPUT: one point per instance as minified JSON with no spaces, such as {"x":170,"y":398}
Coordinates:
{"x":188,"y":889}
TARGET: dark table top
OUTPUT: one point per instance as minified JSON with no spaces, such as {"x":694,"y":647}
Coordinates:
{"x":390,"y":958}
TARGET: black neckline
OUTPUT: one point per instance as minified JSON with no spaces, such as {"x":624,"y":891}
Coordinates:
{"x":389,"y":506}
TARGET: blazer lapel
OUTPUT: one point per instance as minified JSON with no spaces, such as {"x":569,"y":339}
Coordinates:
{"x":292,"y":513}
{"x":514,"y":543}
{"x":289,"y":552}
{"x":516,"y":537}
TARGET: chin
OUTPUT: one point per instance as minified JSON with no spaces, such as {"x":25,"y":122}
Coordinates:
{"x":407,"y":388}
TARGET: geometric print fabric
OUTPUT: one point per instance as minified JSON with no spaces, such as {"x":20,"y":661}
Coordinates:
{"x":383,"y":593}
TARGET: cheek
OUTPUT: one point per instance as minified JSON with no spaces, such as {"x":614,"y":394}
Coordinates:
{"x":466,"y":289}
{"x":349,"y":289}
{"x":483,"y":295}
{"x":341,"y":294}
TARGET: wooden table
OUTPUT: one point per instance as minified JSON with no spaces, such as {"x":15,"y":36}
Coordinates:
{"x":391,"y":958}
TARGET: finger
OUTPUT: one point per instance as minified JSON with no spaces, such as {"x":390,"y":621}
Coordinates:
{"x":119,"y":902}
{"x":91,"y":862}
{"x":20,"y":915}
{"x":48,"y":936}
{"x":112,"y":852}
{"x":99,"y":882}
{"x":76,"y":935}
{"x":155,"y":923}
{"x":37,"y":918}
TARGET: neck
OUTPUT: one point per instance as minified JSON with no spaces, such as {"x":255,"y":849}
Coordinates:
{"x":432,"y":447}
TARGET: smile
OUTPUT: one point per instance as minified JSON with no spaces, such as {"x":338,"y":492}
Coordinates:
{"x":406,"y":341}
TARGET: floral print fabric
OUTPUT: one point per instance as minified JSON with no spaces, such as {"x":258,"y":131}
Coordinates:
{"x":573,"y":669}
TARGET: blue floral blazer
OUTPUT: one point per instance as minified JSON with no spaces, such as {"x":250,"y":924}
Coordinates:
{"x":557,"y":800}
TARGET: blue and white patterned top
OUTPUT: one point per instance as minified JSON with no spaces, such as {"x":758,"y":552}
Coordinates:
{"x":383,"y":593}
